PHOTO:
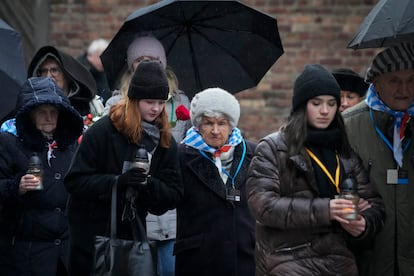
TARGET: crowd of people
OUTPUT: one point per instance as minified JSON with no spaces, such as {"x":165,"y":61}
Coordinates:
{"x":213,"y":203}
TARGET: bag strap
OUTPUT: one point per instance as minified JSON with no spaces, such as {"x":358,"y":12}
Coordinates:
{"x":113,"y":211}
{"x":138,"y":230}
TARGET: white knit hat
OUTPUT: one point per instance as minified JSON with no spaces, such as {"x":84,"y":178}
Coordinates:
{"x":146,"y":46}
{"x":214,"y":100}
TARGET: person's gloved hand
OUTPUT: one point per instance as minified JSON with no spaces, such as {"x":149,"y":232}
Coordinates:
{"x":132,"y":177}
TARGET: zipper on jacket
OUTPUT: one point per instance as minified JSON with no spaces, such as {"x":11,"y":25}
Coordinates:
{"x":286,"y":249}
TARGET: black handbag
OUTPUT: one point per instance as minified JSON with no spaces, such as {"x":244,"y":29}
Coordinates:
{"x":123,"y":257}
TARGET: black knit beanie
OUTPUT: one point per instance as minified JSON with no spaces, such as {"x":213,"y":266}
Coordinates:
{"x":149,"y":82}
{"x":315,"y":80}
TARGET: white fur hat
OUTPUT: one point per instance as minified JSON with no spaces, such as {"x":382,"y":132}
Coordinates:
{"x":146,"y":46}
{"x":214,"y":100}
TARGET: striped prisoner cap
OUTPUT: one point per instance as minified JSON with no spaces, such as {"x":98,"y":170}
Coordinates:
{"x":392,"y":59}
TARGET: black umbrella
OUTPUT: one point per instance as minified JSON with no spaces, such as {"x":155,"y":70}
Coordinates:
{"x":208,"y":43}
{"x":12,"y":68}
{"x":390,"y":22}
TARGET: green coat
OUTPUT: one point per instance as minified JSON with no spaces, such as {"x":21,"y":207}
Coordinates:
{"x":395,"y":243}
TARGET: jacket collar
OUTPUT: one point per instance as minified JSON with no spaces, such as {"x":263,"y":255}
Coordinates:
{"x":208,"y":174}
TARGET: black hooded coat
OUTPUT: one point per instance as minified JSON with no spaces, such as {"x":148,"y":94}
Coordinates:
{"x":82,"y":85}
{"x":40,"y":227}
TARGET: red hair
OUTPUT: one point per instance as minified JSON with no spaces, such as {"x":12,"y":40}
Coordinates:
{"x":126,"y":118}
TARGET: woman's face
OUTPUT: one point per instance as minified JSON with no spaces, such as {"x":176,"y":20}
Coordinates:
{"x":50,"y":68}
{"x":45,"y":118}
{"x":150,"y":109}
{"x":215,"y":131}
{"x":321,"y":111}
{"x":348,"y":99}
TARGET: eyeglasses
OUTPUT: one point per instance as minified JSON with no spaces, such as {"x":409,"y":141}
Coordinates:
{"x":54,"y":71}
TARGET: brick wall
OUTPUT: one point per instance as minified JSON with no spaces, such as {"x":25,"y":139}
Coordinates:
{"x":312,"y":31}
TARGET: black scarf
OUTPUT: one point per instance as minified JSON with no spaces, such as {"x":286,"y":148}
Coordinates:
{"x":328,"y":138}
{"x":324,"y":144}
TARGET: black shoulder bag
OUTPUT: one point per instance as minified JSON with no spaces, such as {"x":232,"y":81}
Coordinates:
{"x":123,"y":257}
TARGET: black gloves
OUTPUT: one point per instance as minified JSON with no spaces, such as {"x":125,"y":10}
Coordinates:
{"x":132,"y":178}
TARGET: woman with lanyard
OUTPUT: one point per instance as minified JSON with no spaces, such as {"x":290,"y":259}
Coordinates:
{"x":295,"y":188}
{"x":215,"y":229}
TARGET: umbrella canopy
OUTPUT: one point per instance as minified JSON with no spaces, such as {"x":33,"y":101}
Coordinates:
{"x":390,"y":22}
{"x":12,"y":68}
{"x":208,"y":43}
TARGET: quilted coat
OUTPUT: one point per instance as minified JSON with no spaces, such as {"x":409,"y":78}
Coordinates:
{"x":294,"y":233}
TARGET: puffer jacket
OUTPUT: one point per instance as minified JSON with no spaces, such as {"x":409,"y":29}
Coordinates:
{"x":294,"y":232}
{"x":394,"y":245}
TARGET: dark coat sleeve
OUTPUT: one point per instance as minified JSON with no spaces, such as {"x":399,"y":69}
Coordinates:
{"x":165,"y":187}
{"x":12,"y":166}
{"x":99,"y":160}
{"x":94,"y":167}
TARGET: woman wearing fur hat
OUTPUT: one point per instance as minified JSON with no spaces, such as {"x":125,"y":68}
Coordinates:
{"x":353,"y":87}
{"x":381,"y":130}
{"x":294,"y":180}
{"x":49,"y":126}
{"x":215,"y":234}
{"x":107,"y":147}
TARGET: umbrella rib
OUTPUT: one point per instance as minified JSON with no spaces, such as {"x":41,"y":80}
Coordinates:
{"x":193,"y":27}
{"x":197,"y":20}
{"x":189,"y":27}
{"x":229,"y":53}
{"x":194,"y":61}
{"x":397,"y":20}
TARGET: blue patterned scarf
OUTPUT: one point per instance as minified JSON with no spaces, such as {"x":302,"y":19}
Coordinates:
{"x":9,"y":126}
{"x":375,"y":103}
{"x":194,"y":139}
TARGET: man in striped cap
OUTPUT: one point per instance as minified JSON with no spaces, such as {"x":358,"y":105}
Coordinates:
{"x":381,"y":130}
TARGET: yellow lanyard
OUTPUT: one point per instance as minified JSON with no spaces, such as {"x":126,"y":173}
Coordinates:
{"x":325,"y":170}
